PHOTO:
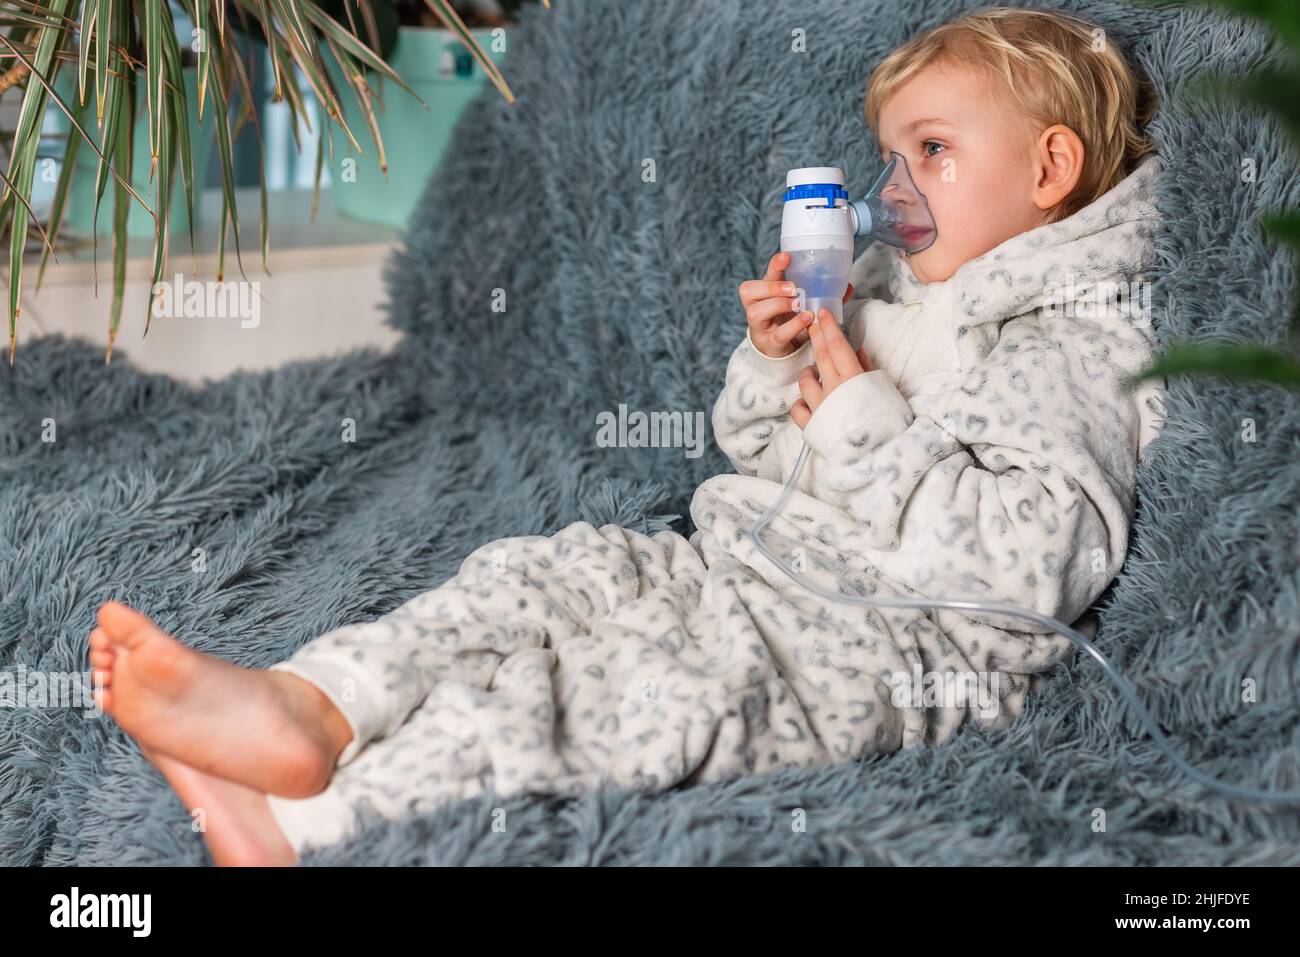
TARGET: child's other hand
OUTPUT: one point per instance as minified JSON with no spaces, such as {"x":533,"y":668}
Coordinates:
{"x":836,"y":361}
{"x":769,"y":310}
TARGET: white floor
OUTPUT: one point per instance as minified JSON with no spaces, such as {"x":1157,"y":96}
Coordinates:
{"x":323,"y":296}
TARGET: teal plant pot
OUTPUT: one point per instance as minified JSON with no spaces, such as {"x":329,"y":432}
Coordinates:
{"x":139,"y":224}
{"x":438,"y":67}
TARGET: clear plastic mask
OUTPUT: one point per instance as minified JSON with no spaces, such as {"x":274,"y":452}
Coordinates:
{"x":899,"y":212}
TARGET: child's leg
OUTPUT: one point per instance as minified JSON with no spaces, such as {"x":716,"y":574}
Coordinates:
{"x":269,"y":730}
{"x":483,"y":681}
{"x":509,"y":595}
{"x":236,"y":821}
{"x":211,"y":725}
{"x":406,"y":772}
{"x":280,"y":733}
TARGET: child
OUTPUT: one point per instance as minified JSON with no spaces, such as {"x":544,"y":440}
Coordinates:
{"x":970,"y":439}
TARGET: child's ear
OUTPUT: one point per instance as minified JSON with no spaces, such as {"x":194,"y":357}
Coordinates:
{"x":1059,"y":164}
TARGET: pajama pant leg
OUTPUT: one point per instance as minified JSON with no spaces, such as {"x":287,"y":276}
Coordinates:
{"x":455,"y":687}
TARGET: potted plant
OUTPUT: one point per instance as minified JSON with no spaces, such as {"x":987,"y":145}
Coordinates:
{"x":383,"y":185}
{"x":109,"y":48}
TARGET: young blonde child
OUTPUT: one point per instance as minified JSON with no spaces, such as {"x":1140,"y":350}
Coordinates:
{"x":969,"y":436}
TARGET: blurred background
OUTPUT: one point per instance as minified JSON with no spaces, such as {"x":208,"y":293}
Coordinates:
{"x":324,"y":291}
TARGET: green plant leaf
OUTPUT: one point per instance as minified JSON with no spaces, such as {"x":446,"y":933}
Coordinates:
{"x":103,"y":35}
{"x":23,"y":158}
{"x":124,"y":131}
{"x":61,"y":189}
{"x":118,"y":89}
{"x":336,"y":32}
{"x":90,"y":10}
{"x":1233,"y":361}
{"x":1283,"y":226}
{"x":202,"y":19}
{"x":12,"y":194}
{"x":177,"y":107}
{"x":166,"y":164}
{"x":357,"y":79}
{"x":448,"y":15}
{"x":229,"y":206}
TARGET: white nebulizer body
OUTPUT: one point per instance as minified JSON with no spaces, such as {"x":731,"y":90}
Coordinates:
{"x":819,"y":224}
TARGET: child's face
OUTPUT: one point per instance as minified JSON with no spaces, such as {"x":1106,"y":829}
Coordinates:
{"x":975,"y":163}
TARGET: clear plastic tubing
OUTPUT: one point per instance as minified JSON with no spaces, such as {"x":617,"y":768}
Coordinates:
{"x":1007,"y":608}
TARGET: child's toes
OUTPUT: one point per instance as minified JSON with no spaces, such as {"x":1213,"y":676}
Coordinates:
{"x":99,"y":640}
{"x":104,"y":699}
{"x":102,"y":660}
{"x":101,"y":643}
{"x":124,"y":624}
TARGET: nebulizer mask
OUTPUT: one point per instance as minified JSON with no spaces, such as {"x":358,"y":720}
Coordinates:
{"x":818,"y":227}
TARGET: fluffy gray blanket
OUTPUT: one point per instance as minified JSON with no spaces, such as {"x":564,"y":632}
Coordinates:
{"x":470,"y":434}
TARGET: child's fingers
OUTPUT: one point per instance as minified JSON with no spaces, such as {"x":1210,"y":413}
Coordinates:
{"x":787,"y":332}
{"x":810,"y":387}
{"x":838,"y":350}
{"x":767,"y":311}
{"x":772,"y":284}
{"x":800,"y":413}
{"x":776,"y":266}
{"x":825,"y":365}
{"x":756,"y":290}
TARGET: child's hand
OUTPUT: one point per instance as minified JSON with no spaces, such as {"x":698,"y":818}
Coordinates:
{"x":769,"y":310}
{"x":836,"y":362}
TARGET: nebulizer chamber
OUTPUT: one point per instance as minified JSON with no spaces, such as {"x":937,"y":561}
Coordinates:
{"x":818,"y":228}
{"x":819,"y":224}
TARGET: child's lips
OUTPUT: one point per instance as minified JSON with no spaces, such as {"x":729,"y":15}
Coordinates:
{"x":914,"y":235}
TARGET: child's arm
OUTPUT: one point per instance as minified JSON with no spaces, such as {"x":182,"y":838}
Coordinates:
{"x":754,"y":407}
{"x":1019,"y":486}
{"x":750,"y":419}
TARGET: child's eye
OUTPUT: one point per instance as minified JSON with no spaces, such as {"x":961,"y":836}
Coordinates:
{"x":926,"y":143}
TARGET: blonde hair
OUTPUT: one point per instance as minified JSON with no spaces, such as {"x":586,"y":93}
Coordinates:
{"x":1053,"y":73}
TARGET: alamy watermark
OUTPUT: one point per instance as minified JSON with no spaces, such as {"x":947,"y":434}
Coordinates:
{"x":179,"y":298}
{"x":638,"y":429}
{"x":946,"y":689}
{"x":24,"y":688}
{"x":1099,"y":300}
{"x":75,"y":909}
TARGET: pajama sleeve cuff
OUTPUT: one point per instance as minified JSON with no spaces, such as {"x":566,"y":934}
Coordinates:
{"x":869,"y":400}
{"x":774,"y":373}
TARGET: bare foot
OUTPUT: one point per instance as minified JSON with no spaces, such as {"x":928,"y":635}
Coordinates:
{"x":235,"y":821}
{"x":269,"y":730}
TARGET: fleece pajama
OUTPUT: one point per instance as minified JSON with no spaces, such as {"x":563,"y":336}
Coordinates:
{"x":991,"y":455}
{"x":549,"y":662}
